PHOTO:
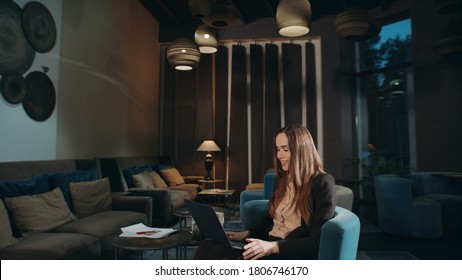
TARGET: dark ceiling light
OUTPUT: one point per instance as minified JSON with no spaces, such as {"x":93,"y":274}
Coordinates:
{"x":200,"y":8}
{"x":293,"y":17}
{"x":206,"y":38}
{"x":396,"y":87}
{"x":353,"y":23}
{"x":221,"y":15}
{"x":183,"y":54}
{"x":448,"y":6}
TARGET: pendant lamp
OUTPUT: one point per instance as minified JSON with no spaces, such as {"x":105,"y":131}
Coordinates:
{"x":293,"y":17}
{"x":200,"y":8}
{"x":353,"y":23}
{"x":221,"y":15}
{"x":206,"y":38}
{"x":183,"y":54}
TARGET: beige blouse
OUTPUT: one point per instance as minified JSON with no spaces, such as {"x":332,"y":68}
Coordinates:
{"x":286,"y":218}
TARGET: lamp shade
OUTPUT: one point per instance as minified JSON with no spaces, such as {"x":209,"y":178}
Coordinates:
{"x":208,"y":146}
{"x":221,"y":15}
{"x":206,"y":38}
{"x":293,"y":17}
{"x":183,"y":54}
{"x":353,"y":23}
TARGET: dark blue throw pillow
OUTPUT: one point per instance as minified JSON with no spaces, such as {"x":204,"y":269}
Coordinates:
{"x":62,"y":180}
{"x":34,"y":185}
{"x":129,"y":172}
{"x":161,"y":166}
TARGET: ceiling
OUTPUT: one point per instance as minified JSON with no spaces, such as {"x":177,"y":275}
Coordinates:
{"x":175,"y":19}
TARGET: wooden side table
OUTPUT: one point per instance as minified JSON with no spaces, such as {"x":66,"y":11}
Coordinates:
{"x":217,"y":197}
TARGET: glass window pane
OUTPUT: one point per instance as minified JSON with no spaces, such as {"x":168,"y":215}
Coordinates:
{"x":391,"y":47}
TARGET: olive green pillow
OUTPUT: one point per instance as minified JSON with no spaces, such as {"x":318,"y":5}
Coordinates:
{"x":172,"y":177}
{"x":157,"y":181}
{"x":6,"y":234}
{"x":91,"y":197}
{"x":39,"y":212}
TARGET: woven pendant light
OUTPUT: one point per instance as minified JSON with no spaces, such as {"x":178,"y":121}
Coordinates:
{"x":206,"y":38}
{"x":183,"y":54}
{"x":448,"y":6}
{"x":221,"y":15}
{"x":293,"y":17}
{"x":353,"y":23}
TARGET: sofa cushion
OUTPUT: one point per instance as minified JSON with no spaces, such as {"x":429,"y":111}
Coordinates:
{"x":63,"y":179}
{"x":39,"y":212}
{"x":172,"y":176}
{"x":157,"y":181}
{"x":129,"y":172}
{"x":6,"y":234}
{"x":91,"y":197}
{"x":54,"y":246}
{"x":192,"y":189}
{"x":34,"y":185}
{"x":143,"y":180}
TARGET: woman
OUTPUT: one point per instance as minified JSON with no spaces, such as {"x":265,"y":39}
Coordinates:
{"x":303,"y":200}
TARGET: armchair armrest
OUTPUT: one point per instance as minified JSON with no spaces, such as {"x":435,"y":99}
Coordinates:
{"x":141,"y":204}
{"x":189,"y":179}
{"x":161,"y":201}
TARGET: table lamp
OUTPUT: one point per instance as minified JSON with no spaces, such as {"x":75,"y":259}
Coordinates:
{"x":208,"y":146}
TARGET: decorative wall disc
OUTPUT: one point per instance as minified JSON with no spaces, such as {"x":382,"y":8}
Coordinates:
{"x":13,"y":87}
{"x":40,"y":100}
{"x":39,"y":26}
{"x":15,"y":52}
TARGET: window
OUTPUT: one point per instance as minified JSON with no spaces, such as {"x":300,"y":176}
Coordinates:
{"x":385,"y":120}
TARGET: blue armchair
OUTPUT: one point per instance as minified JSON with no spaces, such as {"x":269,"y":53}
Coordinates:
{"x":402,"y":214}
{"x":446,"y":189}
{"x":256,"y":200}
{"x":339,"y":235}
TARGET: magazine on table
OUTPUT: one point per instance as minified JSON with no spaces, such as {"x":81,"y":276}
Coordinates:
{"x":141,"y":230}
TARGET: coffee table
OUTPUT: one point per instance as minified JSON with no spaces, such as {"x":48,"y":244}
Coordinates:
{"x":174,"y":240}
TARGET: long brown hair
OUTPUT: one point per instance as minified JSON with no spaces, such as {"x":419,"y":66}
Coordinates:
{"x":305,"y":162}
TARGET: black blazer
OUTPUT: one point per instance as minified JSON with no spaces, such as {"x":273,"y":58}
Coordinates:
{"x":303,"y":242}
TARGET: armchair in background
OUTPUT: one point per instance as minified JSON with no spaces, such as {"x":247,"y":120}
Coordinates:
{"x":402,"y":214}
{"x":446,"y":189}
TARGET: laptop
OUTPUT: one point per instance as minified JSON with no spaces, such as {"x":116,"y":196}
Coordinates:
{"x":207,"y":221}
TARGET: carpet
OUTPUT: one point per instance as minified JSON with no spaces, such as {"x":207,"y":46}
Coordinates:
{"x":190,"y":250}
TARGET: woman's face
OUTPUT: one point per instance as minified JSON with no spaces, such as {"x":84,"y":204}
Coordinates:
{"x":283,"y":152}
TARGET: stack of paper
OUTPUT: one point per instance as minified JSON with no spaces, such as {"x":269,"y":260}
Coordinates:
{"x":141,"y":230}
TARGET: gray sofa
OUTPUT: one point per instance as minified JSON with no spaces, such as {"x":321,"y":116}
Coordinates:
{"x":165,"y":200}
{"x":84,"y":237}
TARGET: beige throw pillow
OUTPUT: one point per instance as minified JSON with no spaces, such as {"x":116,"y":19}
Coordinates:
{"x":143,"y":180}
{"x":172,"y":177}
{"x":39,"y":212}
{"x":6,"y":234}
{"x":91,"y":197}
{"x":157,"y":181}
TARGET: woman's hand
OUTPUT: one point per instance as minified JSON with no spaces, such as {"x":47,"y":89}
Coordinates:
{"x":257,"y":248}
{"x":238,"y":235}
